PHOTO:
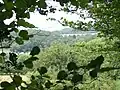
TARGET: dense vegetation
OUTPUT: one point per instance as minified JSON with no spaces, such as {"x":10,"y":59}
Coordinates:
{"x":58,"y":55}
{"x":92,"y":65}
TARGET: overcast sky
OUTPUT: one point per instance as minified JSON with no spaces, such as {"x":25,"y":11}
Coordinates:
{"x":41,"y":22}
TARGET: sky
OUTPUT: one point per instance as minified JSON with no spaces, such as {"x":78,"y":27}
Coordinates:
{"x":48,"y":25}
{"x":43,"y":24}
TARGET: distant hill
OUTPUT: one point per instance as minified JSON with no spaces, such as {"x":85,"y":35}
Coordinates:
{"x":63,"y":31}
{"x":74,"y":31}
{"x":44,"y":39}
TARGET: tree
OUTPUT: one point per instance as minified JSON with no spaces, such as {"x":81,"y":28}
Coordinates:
{"x":104,"y":15}
{"x":22,"y":9}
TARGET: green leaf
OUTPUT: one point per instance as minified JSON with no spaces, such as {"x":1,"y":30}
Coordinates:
{"x":30,"y":36}
{"x":12,"y":57}
{"x":21,"y":3}
{"x":26,"y":15}
{"x":65,"y":87}
{"x":28,"y":64}
{"x":17,"y":80}
{"x":48,"y":84}
{"x":42,"y":70}
{"x":106,"y":69}
{"x":1,"y":59}
{"x":46,"y":76}
{"x":26,"y":37}
{"x":32,"y":58}
{"x":84,"y":3}
{"x":20,"y":66}
{"x":9,"y":6}
{"x":19,"y":40}
{"x":72,"y":66}
{"x":62,"y":75}
{"x":22,"y":22}
{"x":42,"y":4}
{"x":41,"y":87}
{"x":5,"y":84}
{"x":6,"y":15}
{"x":74,"y":2}
{"x":31,"y":3}
{"x":35,"y":51}
{"x":32,"y":9}
{"x":15,"y":30}
{"x":10,"y":88}
{"x":24,"y":34}
{"x":2,"y":16}
{"x":3,"y":54}
{"x":93,"y":73}
{"x":77,"y":78}
{"x":33,"y":77}
{"x":97,"y":62}
{"x":23,"y":88}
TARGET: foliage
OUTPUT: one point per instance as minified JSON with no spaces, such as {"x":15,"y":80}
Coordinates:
{"x":103,"y":13}
{"x":82,"y":53}
{"x":71,"y":77}
{"x":71,"y":74}
{"x":106,"y":16}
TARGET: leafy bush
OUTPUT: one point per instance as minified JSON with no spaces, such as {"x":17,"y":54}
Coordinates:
{"x":82,"y":53}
